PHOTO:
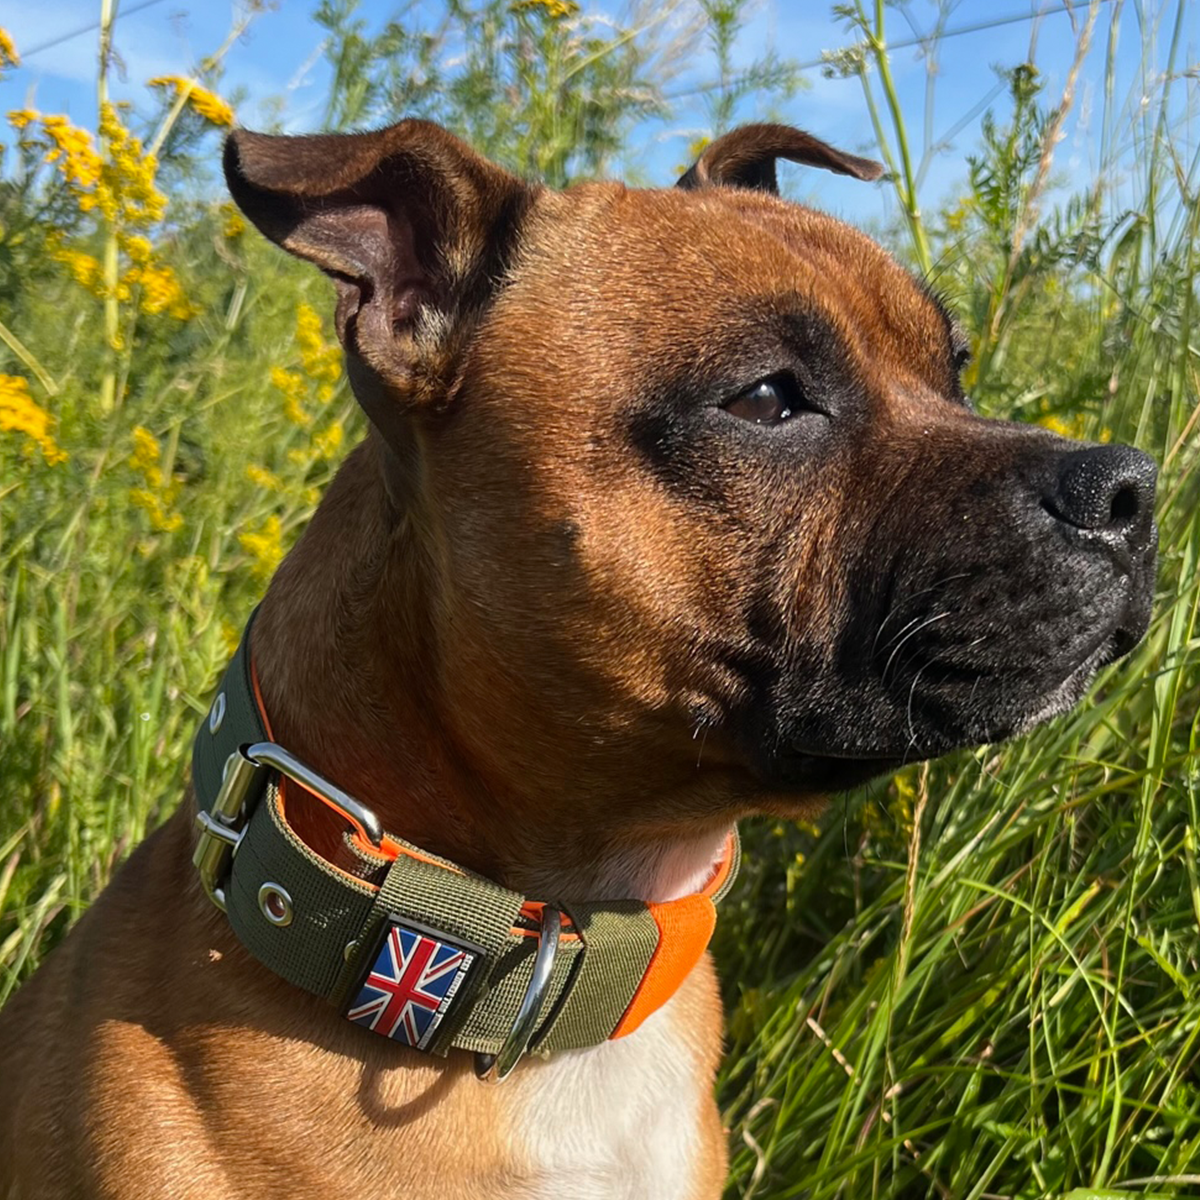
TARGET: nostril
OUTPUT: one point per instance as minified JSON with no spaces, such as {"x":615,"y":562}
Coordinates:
{"x":1124,"y":505}
{"x":1122,"y":642}
{"x":1103,"y":489}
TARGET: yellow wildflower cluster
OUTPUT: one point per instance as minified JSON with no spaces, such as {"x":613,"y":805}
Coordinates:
{"x":156,"y":495}
{"x":71,"y":149}
{"x":205,"y":103}
{"x":320,"y":364}
{"x":85,"y":269}
{"x":119,"y":182}
{"x":321,"y":360}
{"x":233,"y":224}
{"x":328,"y":442}
{"x":8,"y":51}
{"x":324,"y":445}
{"x":156,"y":284}
{"x":122,"y":190}
{"x":127,"y":193}
{"x":266,"y":479}
{"x":264,"y":547}
{"x":160,"y":292}
{"x":20,"y":413}
{"x":292,"y":385}
{"x":556,"y":10}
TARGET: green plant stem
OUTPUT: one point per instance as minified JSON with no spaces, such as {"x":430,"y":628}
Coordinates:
{"x":908,"y":191}
{"x":111,"y":258}
{"x":27,"y":357}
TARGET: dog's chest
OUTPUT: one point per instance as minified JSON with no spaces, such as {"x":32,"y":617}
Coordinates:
{"x":619,"y":1122}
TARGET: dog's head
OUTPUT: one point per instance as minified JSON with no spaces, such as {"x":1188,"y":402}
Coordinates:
{"x":702,"y":503}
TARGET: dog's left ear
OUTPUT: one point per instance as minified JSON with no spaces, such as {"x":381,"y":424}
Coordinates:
{"x":410,"y":223}
{"x":745,"y":158}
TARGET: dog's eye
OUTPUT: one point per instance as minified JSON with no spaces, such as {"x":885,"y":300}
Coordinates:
{"x":768,"y":402}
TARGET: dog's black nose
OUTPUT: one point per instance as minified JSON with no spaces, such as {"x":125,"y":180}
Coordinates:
{"x":1106,"y":491}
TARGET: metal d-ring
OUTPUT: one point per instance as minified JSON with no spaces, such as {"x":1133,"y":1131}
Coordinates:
{"x":496,"y":1068}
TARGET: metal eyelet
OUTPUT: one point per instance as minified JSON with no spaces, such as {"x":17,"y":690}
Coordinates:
{"x":217,"y":713}
{"x":275,"y":903}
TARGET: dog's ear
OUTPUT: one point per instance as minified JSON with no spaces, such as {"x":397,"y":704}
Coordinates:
{"x":410,"y":222}
{"x":745,"y":158}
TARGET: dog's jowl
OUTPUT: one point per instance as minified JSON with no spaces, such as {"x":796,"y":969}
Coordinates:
{"x":643,"y":465}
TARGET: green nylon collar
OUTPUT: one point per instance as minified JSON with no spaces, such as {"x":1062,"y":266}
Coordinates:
{"x":321,"y":928}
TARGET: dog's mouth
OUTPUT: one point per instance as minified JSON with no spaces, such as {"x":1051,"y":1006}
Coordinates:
{"x":796,"y":771}
{"x":939,"y":706}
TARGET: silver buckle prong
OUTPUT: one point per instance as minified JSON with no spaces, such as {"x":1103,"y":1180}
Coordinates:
{"x":496,"y":1068}
{"x":221,"y":828}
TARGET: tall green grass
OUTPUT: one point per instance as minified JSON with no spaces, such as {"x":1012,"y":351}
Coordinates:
{"x":978,"y":979}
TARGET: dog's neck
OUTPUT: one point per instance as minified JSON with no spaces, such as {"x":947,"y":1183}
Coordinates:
{"x":348,"y":669}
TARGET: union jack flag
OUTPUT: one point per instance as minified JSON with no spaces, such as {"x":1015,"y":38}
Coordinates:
{"x":410,"y":986}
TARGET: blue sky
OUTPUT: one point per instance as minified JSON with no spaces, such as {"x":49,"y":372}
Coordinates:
{"x":278,"y":64}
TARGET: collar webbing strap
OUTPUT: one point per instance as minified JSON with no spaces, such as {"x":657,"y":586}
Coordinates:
{"x":414,"y":946}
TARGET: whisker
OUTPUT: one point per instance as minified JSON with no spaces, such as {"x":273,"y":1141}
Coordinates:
{"x":912,"y":733}
{"x":907,"y":637}
{"x":908,"y":600}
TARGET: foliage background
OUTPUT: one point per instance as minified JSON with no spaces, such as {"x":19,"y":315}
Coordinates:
{"x":976,"y":979}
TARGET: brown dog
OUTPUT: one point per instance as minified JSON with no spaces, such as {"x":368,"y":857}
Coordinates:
{"x":672,"y":511}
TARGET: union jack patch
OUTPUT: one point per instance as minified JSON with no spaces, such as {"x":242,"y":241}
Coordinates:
{"x":411,"y":985}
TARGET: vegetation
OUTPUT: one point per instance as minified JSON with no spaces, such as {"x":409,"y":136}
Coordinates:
{"x":974,"y":980}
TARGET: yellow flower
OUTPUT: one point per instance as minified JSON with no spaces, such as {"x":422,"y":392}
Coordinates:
{"x":263,"y":478}
{"x":160,"y":290}
{"x":127,"y":194}
{"x":119,"y":183}
{"x":19,"y":413}
{"x":139,"y":249}
{"x":211,"y":107}
{"x":158,"y":497}
{"x":231,"y":637}
{"x":8,"y":51}
{"x":327,"y":443}
{"x":233,"y":224}
{"x":264,"y":547}
{"x":146,"y":450}
{"x":322,"y":360}
{"x":556,"y":10}
{"x":72,"y":150}
{"x":207,"y":104}
{"x":156,"y":507}
{"x":291,"y":384}
{"x":85,"y":270}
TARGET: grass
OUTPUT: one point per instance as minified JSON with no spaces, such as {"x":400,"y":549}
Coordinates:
{"x":978,"y":979}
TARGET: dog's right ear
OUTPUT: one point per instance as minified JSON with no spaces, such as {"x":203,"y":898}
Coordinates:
{"x":410,"y":222}
{"x":745,"y":158}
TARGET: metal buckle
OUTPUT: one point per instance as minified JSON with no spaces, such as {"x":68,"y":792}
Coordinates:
{"x":495,"y":1068}
{"x":222,"y":827}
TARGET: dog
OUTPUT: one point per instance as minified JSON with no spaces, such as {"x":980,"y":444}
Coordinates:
{"x":672,"y":510}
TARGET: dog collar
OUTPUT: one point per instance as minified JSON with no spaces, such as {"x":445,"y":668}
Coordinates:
{"x":411,"y":945}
